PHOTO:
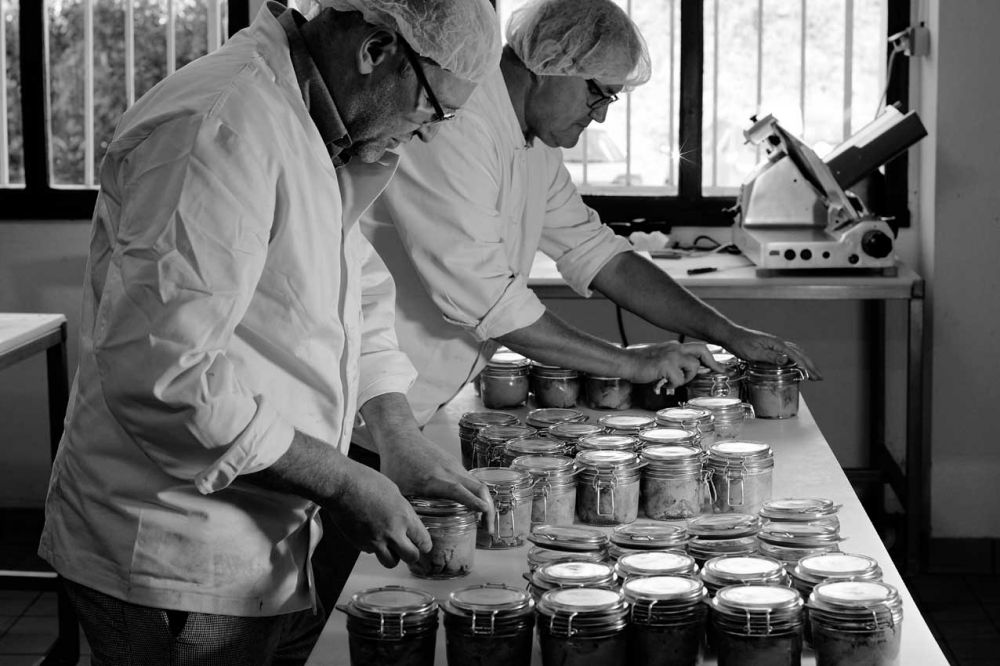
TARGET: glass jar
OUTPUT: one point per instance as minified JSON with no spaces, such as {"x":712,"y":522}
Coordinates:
{"x":607,"y":443}
{"x":583,"y":627}
{"x":725,"y":570}
{"x":489,"y":625}
{"x":655,"y":563}
{"x":812,"y":570}
{"x":698,"y":419}
{"x":740,"y":479}
{"x":607,"y":392}
{"x":574,"y":573}
{"x":532,"y":446}
{"x":673,"y":482}
{"x":855,"y":622}
{"x":790,"y":542}
{"x":553,"y":542}
{"x":538,"y":556}
{"x":757,"y":625}
{"x":488,"y":444}
{"x":674,"y":436}
{"x":729,"y":382}
{"x":392,"y":626}
{"x":607,"y":487}
{"x":553,"y":488}
{"x":503,"y":383}
{"x":773,"y":390}
{"x":571,"y":432}
{"x":452,"y":527}
{"x":549,"y":416}
{"x":722,"y":534}
{"x":471,"y":423}
{"x":729,"y":412}
{"x":644,"y":536}
{"x":652,"y":396}
{"x":553,"y":386}
{"x":626,"y":424}
{"x":801,"y":510}
{"x":512,"y":495}
{"x":667,"y":618}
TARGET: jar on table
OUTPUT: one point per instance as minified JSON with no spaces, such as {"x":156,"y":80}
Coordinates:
{"x":532,"y":446}
{"x":855,"y":622}
{"x":672,"y":436}
{"x":667,"y":618}
{"x":729,"y":382}
{"x":757,"y":625}
{"x":607,"y":392}
{"x":452,"y":527}
{"x":722,"y":534}
{"x":730,"y":413}
{"x":626,"y":424}
{"x":700,"y":420}
{"x":503,"y":383}
{"x":553,"y":488}
{"x":741,"y":473}
{"x":812,"y":570}
{"x":571,"y":432}
{"x":471,"y":423}
{"x":646,"y":536}
{"x":392,"y":626}
{"x":512,"y":499}
{"x":553,"y":386}
{"x":673,"y":482}
{"x":773,"y":390}
{"x":655,"y":563}
{"x":583,"y":626}
{"x":570,"y":574}
{"x":801,"y":510}
{"x":488,"y":444}
{"x":607,"y":487}
{"x":559,"y":543}
{"x":607,"y":443}
{"x":726,"y":570}
{"x":489,"y":625}
{"x":790,"y":542}
{"x":550,"y":416}
{"x":652,"y":396}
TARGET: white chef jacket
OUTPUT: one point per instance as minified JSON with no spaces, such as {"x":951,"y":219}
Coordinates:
{"x":458,"y":228}
{"x":230,"y":298}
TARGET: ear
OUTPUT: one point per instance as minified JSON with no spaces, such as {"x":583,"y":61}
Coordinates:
{"x":376,"y":48}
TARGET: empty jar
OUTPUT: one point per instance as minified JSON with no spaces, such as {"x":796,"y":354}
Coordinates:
{"x":722,"y":534}
{"x":607,"y":487}
{"x":489,"y":625}
{"x":688,"y":418}
{"x":553,"y":488}
{"x":392,"y":626}
{"x":667,"y":618}
{"x":503,"y":383}
{"x":583,"y":626}
{"x":646,"y":536}
{"x":801,"y":510}
{"x":550,"y":416}
{"x":790,"y":542}
{"x":726,"y":570}
{"x":570,"y":433}
{"x":488,"y":446}
{"x":607,"y":392}
{"x":729,"y":382}
{"x":730,"y":413}
{"x":553,"y":386}
{"x":532,"y":446}
{"x":757,"y":625}
{"x":452,"y":527}
{"x":673,"y":482}
{"x":557,"y":543}
{"x":855,"y":622}
{"x":773,"y":390}
{"x":740,"y":475}
{"x":626,"y":424}
{"x":471,"y":423}
{"x":512,"y":498}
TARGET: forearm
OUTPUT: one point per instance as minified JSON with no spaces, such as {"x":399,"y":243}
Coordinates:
{"x":551,"y":340}
{"x":389,"y":420}
{"x":310,"y":468}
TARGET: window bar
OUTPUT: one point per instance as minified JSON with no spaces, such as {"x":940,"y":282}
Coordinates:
{"x":848,"y":65}
{"x":214,"y":40}
{"x":88,"y":93}
{"x":715,"y":94}
{"x":760,"y":63}
{"x":129,"y":53}
{"x":628,"y":125}
{"x":802,"y":67}
{"x":671,"y":136}
{"x":4,"y":147}
{"x":171,"y":38}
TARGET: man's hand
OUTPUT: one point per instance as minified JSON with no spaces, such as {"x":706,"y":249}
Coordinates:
{"x":752,"y":345}
{"x":676,"y":362}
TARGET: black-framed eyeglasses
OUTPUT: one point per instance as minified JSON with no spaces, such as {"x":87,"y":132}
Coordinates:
{"x":603,"y":98}
{"x":439,"y":113}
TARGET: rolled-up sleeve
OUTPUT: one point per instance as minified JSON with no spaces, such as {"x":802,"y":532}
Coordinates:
{"x":190,"y":246}
{"x":444,"y":201}
{"x":573,"y":235}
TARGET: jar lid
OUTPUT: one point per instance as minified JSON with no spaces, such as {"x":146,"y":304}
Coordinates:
{"x":626,"y":422}
{"x":668,"y":435}
{"x":392,"y":600}
{"x":767,"y":598}
{"x":552,"y":371}
{"x":533,"y":446}
{"x":726,"y":358}
{"x":742,"y":567}
{"x":574,"y":430}
{"x":544,"y":465}
{"x":607,"y":460}
{"x":574,"y":573}
{"x":548,"y":416}
{"x":433,"y":506}
{"x":655,"y":562}
{"x":607,"y":443}
{"x":738,"y":451}
{"x":503,"y":433}
{"x":581,"y":600}
{"x":799,"y":534}
{"x":798,"y":508}
{"x":667,"y":453}
{"x":502,"y":478}
{"x":692,"y":416}
{"x":490,"y":598}
{"x":789,"y":371}
{"x":649,"y":535}
{"x":714,"y":403}
{"x":853,"y":594}
{"x":724,"y":525}
{"x":568,"y":537}
{"x":483,"y":419}
{"x":824,"y":566}
{"x":507,"y":359}
{"x":662,"y":588}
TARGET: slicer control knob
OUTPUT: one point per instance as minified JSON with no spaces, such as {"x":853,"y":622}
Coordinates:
{"x":876,"y":244}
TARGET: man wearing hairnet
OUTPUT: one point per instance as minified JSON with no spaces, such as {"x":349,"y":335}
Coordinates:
{"x":461,"y":222}
{"x":235,"y":322}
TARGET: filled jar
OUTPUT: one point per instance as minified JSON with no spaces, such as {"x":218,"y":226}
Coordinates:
{"x":673,"y":436}
{"x":583,"y":627}
{"x":726,"y":570}
{"x":757,"y":625}
{"x":673,"y":482}
{"x":855,"y":622}
{"x":666,"y":618}
{"x":722,"y":534}
{"x":570,"y":433}
{"x":488,"y":446}
{"x":646,"y":536}
{"x":553,"y":386}
{"x":471,"y":423}
{"x":812,"y":570}
{"x":573,"y":573}
{"x":553,"y":488}
{"x":512,"y":499}
{"x":801,"y":510}
{"x":503,"y":383}
{"x":452,"y":527}
{"x":708,"y":382}
{"x":549,"y":416}
{"x":607,"y":392}
{"x":392,"y":626}
{"x":741,"y":473}
{"x":558,"y":543}
{"x":532,"y":446}
{"x":626,"y":424}
{"x":606,"y":442}
{"x":607,"y":487}
{"x":489,"y":625}
{"x":790,"y":542}
{"x":687,"y":418}
{"x":773,"y":390}
{"x":730,"y":413}
{"x":655,"y":563}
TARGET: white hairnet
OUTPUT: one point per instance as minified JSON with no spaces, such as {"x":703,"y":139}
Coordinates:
{"x":461,"y":36}
{"x":592,"y":39}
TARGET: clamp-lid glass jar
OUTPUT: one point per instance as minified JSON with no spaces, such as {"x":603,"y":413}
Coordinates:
{"x":570,"y":433}
{"x":571,"y":574}
{"x":757,"y":624}
{"x":607,"y":487}
{"x":729,"y":412}
{"x":666,"y":616}
{"x":503,"y":383}
{"x":471,"y":423}
{"x":392,"y":625}
{"x":773,"y":390}
{"x":729,"y":382}
{"x":553,"y":488}
{"x":655,"y":563}
{"x":489,"y":625}
{"x":626,"y":424}
{"x":740,"y":475}
{"x":607,"y":392}
{"x":488,"y":444}
{"x":672,"y":436}
{"x":653,"y":395}
{"x":690,"y":418}
{"x":512,"y":499}
{"x":646,"y":536}
{"x":812,"y":570}
{"x":532,"y":446}
{"x":583,"y":626}
{"x":855,"y":622}
{"x":801,"y":510}
{"x":673,"y":482}
{"x":790,"y":542}
{"x":607,"y":443}
{"x":722,"y":534}
{"x":566,"y":542}
{"x":549,"y":416}
{"x":725,"y":570}
{"x":452,"y":527}
{"x":553,"y":386}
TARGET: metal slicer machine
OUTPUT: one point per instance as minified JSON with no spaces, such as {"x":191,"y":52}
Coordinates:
{"x":794,"y":212}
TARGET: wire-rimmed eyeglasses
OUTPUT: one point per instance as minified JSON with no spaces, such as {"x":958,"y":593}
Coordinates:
{"x":439,"y":113}
{"x":603,"y":98}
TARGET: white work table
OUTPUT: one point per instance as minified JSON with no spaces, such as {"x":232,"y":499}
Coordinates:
{"x":804,"y":466}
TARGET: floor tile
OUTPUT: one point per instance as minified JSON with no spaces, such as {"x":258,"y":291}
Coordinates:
{"x":967,"y":612}
{"x":6,"y":622}
{"x":20,"y":659}
{"x":976,"y":647}
{"x":45,"y":605}
{"x":17,"y":603}
{"x":29,"y":635}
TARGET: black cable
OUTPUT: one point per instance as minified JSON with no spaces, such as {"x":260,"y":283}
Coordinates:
{"x":621,"y":326}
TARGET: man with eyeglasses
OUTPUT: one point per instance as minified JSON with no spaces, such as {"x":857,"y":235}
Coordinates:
{"x":460,"y":225}
{"x":236,"y":322}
